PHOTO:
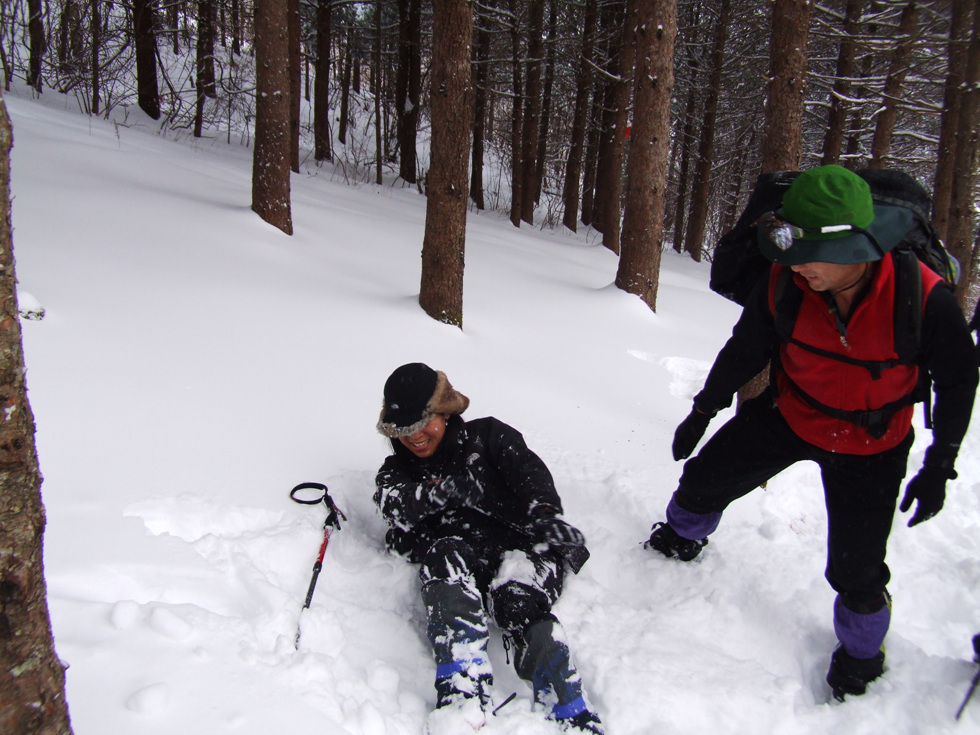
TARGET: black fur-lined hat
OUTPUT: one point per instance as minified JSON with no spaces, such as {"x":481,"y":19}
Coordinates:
{"x":413,"y":394}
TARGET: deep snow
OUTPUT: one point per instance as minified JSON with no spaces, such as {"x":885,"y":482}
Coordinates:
{"x":195,"y":363}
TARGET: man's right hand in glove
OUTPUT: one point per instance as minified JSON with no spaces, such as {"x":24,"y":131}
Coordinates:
{"x":689,"y":433}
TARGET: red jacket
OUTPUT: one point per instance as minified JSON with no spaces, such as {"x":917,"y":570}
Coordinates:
{"x":869,"y":336}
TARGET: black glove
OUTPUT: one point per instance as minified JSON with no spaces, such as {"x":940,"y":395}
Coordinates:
{"x":447,"y":491}
{"x":399,"y":541}
{"x":929,"y":489}
{"x":689,"y":433}
{"x":559,"y":535}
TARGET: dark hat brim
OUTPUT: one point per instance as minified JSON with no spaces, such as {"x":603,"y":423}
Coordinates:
{"x":889,"y":228}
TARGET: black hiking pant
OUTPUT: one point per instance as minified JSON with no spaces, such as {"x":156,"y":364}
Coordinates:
{"x":860,"y":491}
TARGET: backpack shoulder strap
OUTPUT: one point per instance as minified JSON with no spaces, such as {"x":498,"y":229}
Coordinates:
{"x":786,"y":299}
{"x":908,"y":305}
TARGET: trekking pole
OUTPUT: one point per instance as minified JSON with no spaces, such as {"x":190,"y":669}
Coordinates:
{"x":321,"y":495}
{"x":976,"y":676}
{"x":969,"y":693}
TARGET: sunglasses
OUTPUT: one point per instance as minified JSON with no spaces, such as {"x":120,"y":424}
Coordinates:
{"x":782,"y":233}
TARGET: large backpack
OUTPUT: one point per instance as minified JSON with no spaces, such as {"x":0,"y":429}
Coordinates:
{"x":738,"y":265}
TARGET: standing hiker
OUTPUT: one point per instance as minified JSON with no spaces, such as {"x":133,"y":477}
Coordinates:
{"x":478,"y":511}
{"x":838,"y":396}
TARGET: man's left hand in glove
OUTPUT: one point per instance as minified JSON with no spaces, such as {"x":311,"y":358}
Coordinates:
{"x":928,"y":487}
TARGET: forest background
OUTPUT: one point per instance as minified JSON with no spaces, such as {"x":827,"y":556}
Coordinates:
{"x":553,"y":95}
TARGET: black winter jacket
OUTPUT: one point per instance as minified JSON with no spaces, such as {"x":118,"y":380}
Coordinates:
{"x":490,"y":465}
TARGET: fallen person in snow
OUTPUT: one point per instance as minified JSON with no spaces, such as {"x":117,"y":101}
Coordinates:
{"x":478,"y":511}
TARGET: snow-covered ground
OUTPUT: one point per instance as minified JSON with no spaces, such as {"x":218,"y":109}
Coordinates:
{"x":195,"y":363}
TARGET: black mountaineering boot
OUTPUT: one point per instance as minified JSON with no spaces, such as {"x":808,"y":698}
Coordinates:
{"x":665,"y":540}
{"x":849,"y":675}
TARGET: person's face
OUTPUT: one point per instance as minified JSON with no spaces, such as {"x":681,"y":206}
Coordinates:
{"x":830,"y":276}
{"x":425,"y":441}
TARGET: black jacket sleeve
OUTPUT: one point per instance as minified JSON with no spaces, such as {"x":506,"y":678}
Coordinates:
{"x":745,"y":354}
{"x":522,"y":472}
{"x":948,"y":355}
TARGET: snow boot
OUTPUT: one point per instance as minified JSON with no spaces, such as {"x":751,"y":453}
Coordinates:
{"x":861,"y":625}
{"x":849,"y":675}
{"x":457,"y":629}
{"x":666,"y":540}
{"x":586,"y":722}
{"x":542,"y":657}
{"x":457,"y":718}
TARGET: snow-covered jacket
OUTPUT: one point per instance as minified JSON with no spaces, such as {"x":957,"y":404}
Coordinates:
{"x":496,"y":482}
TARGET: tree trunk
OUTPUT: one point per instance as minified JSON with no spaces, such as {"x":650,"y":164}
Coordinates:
{"x":962,"y":209}
{"x":897,"y":71}
{"x":960,"y":27}
{"x":685,"y":144}
{"x":205,"y":46}
{"x":444,"y":241}
{"x":270,"y":160}
{"x":546,"y":101}
{"x":655,"y":24}
{"x":236,"y":27}
{"x":409,"y":85}
{"x":702,"y":170}
{"x":481,"y":77}
{"x":321,"y":86}
{"x":64,"y":48}
{"x":35,"y":30}
{"x":580,"y":119}
{"x":95,"y":24}
{"x":295,"y":82}
{"x":609,"y":176}
{"x":532,"y":110}
{"x":833,"y":139}
{"x":32,"y":679}
{"x":781,"y":143}
{"x":378,"y":97}
{"x":345,"y":98}
{"x":852,"y":159}
{"x":612,"y":29}
{"x":782,"y":131}
{"x":593,"y":143}
{"x":147,"y":93}
{"x":173,"y":21}
{"x":516,"y":125}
